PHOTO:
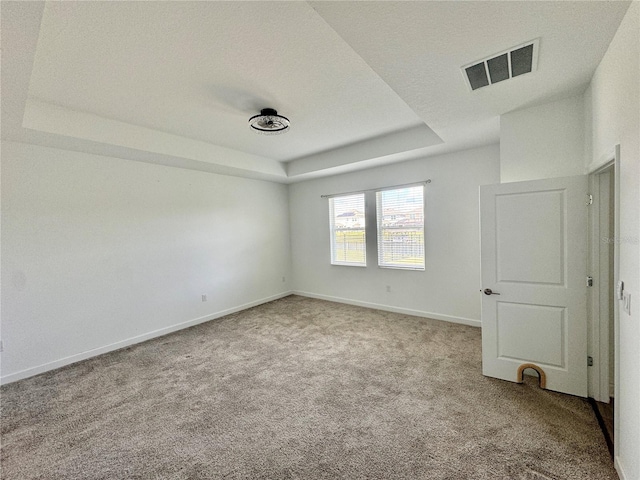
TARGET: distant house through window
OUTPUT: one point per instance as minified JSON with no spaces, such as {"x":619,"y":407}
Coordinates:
{"x":400,"y":219}
{"x":347,"y":223}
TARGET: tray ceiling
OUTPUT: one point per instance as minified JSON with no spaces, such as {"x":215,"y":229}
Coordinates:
{"x":362,"y":82}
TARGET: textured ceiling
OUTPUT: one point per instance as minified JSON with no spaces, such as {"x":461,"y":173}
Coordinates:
{"x":419,"y":47}
{"x":200,"y":70}
{"x":362,"y":82}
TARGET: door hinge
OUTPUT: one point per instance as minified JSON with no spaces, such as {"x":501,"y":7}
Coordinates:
{"x":590,"y":361}
{"x":589,"y":199}
{"x":589,"y":281}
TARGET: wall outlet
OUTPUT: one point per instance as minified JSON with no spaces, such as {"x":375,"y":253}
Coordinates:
{"x":204,"y":298}
{"x":284,"y":279}
{"x":1,"y":346}
{"x":388,"y":288}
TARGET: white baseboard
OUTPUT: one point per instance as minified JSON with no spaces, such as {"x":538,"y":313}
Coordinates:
{"x":388,"y":308}
{"x":30,"y":372}
{"x":618,"y":466}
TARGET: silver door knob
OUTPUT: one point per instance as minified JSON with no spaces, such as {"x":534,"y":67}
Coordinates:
{"x":488,"y":291}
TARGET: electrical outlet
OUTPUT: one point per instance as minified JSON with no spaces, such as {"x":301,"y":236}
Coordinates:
{"x":204,"y":298}
{"x":388,"y":288}
{"x":284,"y":279}
{"x":1,"y":346}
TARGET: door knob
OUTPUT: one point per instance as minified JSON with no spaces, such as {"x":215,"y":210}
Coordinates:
{"x":488,"y":291}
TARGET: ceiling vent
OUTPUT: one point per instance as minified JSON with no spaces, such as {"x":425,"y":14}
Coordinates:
{"x":505,"y":65}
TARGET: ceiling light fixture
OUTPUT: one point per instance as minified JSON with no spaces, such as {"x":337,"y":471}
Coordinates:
{"x":269,"y":122}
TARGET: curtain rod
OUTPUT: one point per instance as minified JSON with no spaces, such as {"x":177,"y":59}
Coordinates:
{"x":380,"y":188}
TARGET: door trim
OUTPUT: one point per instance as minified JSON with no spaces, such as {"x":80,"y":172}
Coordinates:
{"x":598,"y":344}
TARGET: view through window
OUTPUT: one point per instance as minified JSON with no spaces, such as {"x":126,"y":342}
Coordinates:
{"x":400,"y":214}
{"x":348,"y":241}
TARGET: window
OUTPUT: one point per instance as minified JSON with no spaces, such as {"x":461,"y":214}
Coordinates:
{"x":348,"y":242}
{"x":400,"y":214}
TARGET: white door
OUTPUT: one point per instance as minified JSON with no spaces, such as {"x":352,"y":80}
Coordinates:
{"x":534,"y":263}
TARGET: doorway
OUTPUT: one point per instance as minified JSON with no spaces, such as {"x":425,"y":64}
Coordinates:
{"x":604,"y":226}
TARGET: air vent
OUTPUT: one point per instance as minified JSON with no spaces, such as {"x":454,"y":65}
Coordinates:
{"x":505,"y":65}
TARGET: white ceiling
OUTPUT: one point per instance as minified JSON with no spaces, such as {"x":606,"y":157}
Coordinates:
{"x":363,"y":83}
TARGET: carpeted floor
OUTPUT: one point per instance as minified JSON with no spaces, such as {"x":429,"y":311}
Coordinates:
{"x":297,"y":389}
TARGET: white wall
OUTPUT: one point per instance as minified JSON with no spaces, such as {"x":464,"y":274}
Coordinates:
{"x":449,"y":287}
{"x":613,"y":100}
{"x":544,"y":141}
{"x":99,"y":252}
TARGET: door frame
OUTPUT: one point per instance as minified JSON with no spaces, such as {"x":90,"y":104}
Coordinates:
{"x":599,"y":327}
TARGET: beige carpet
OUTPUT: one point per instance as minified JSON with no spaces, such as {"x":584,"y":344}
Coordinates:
{"x":297,"y":389}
